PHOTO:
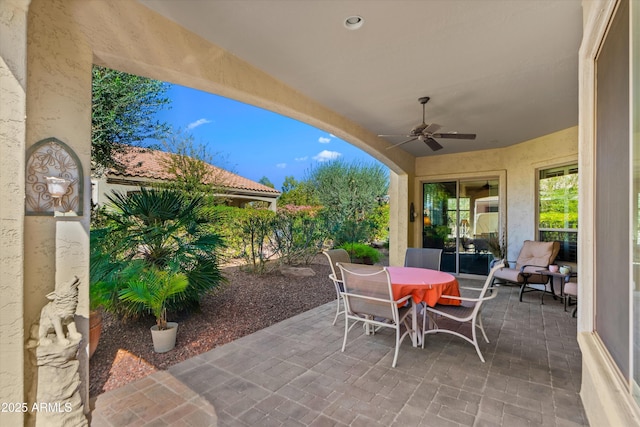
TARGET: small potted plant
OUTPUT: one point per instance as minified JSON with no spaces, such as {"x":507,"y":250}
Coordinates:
{"x":151,"y":289}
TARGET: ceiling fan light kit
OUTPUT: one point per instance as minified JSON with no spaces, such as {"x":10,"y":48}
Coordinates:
{"x":426,"y":132}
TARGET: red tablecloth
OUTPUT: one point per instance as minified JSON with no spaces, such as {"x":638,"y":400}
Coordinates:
{"x":423,"y":285}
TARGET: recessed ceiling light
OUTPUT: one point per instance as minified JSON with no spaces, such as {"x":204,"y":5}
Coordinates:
{"x":353,"y":22}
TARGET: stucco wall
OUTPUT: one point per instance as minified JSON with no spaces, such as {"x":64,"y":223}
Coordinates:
{"x":13,"y":82}
{"x":518,"y":163}
{"x":59,"y":64}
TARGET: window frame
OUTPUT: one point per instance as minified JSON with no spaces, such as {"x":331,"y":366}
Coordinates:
{"x":569,"y":167}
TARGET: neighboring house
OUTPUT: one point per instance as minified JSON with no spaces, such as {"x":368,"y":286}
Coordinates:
{"x":144,"y":166}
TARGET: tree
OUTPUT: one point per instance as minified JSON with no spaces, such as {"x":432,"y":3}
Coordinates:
{"x":349,"y":192}
{"x":265,"y":181}
{"x":123,"y":112}
{"x":193,"y":167}
{"x":298,"y":193}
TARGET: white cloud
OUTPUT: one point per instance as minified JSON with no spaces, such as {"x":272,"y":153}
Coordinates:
{"x":326,"y":155}
{"x":332,"y":135}
{"x":301,"y":159}
{"x":197,"y":123}
{"x":281,"y":165}
{"x":323,"y":140}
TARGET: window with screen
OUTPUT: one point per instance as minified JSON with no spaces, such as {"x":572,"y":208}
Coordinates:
{"x":558,"y":209}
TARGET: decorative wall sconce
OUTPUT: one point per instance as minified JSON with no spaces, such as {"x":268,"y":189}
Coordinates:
{"x":57,"y":188}
{"x":54,"y":179}
{"x":412,"y":212}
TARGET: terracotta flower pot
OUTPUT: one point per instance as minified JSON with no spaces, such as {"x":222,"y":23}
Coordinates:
{"x":164,"y":340}
{"x":95,"y":329}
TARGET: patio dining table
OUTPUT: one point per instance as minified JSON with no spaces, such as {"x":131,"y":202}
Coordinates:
{"x":424,"y":285}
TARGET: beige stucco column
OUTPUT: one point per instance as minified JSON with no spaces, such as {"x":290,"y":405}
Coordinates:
{"x":13,"y":82}
{"x":398,"y":217}
{"x":59,"y":61}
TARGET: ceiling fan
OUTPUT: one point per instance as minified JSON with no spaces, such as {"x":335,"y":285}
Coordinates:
{"x":426,"y":132}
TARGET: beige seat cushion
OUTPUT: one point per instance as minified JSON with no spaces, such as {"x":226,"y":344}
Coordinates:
{"x":536,"y":255}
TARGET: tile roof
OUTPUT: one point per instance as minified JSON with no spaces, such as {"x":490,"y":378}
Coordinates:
{"x":151,"y":164}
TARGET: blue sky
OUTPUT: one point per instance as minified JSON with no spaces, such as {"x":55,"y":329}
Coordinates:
{"x":253,"y":142}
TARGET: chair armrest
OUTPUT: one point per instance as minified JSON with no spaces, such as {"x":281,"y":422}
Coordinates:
{"x":470,"y":288}
{"x":334,"y":278}
{"x":493,"y":295}
{"x":531,"y":265}
{"x":401,"y":300}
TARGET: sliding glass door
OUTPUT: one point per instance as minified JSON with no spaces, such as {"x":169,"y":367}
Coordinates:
{"x":462,"y":218}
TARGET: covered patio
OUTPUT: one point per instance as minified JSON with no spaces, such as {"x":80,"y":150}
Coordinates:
{"x":531,"y":110}
{"x":294,"y":374}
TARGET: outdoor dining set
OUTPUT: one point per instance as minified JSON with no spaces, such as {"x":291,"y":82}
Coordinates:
{"x":395,"y":297}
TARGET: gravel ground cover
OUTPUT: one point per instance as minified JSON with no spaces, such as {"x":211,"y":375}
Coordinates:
{"x":247,"y":303}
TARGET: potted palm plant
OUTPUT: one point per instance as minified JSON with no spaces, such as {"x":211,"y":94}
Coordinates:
{"x":154,"y":251}
{"x":151,"y":288}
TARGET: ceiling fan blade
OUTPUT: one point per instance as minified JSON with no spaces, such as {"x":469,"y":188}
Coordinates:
{"x":453,"y":135}
{"x":403,"y":142}
{"x":433,"y":127}
{"x":397,"y":134}
{"x":433,"y":144}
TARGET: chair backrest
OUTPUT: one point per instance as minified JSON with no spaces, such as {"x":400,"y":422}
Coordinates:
{"x":423,"y":258}
{"x":367,"y":281}
{"x":537,"y":253}
{"x":487,"y":284}
{"x":335,"y":256}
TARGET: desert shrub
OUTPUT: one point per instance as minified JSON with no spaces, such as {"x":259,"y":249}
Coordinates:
{"x":379,"y":219}
{"x":360,"y":251}
{"x":229,"y":221}
{"x":256,"y":229}
{"x":298,"y":235}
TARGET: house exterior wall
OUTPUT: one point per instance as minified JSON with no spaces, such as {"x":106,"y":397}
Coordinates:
{"x":13,"y":88}
{"x":605,"y":392}
{"x":518,"y":164}
{"x":102,"y":187}
{"x":59,"y":60}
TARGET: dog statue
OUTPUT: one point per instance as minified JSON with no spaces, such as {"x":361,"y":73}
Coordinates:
{"x":59,"y":312}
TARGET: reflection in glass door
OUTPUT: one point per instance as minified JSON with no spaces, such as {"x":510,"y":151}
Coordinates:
{"x":463,"y":219}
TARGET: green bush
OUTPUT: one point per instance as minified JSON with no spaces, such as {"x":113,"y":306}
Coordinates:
{"x":298,"y":234}
{"x":162,"y":229}
{"x":379,"y":217}
{"x":360,"y":251}
{"x":256,"y":229}
{"x":227,"y":226}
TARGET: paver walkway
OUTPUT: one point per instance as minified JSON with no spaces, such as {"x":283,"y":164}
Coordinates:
{"x":293,"y":374}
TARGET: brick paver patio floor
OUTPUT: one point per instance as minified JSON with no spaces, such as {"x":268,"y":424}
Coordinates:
{"x":294,"y":374}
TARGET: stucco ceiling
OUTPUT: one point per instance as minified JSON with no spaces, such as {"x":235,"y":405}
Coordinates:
{"x":506,"y":70}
